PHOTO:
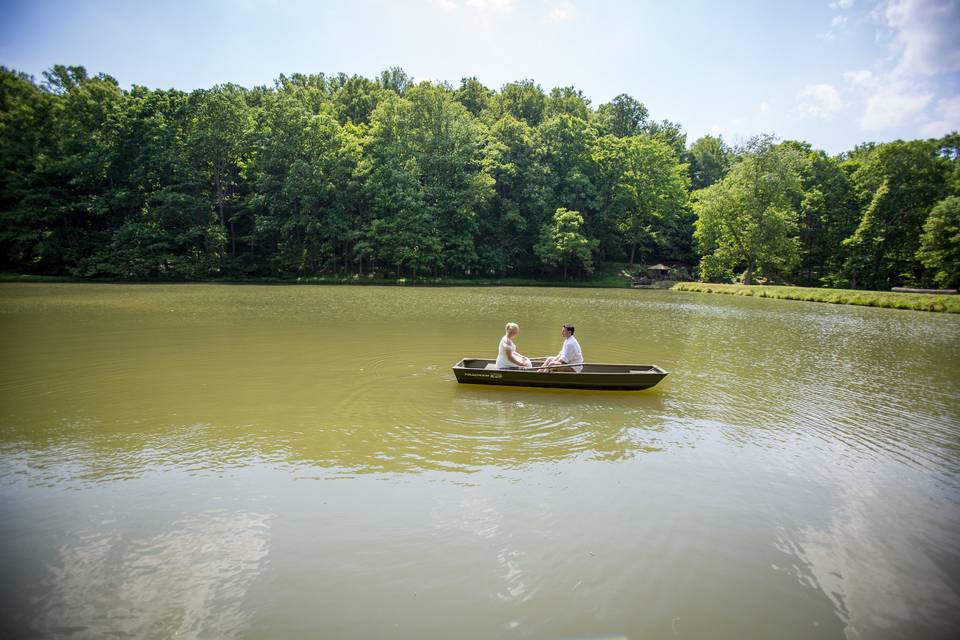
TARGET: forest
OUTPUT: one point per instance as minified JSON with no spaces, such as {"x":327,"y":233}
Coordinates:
{"x":356,"y":177}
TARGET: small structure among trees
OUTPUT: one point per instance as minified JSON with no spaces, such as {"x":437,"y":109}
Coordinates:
{"x":658,"y":271}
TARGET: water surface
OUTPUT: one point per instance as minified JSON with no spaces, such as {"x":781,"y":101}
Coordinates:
{"x":288,"y":462}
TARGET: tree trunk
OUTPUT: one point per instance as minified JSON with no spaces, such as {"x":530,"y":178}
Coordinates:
{"x":223,"y":220}
{"x":633,"y":250}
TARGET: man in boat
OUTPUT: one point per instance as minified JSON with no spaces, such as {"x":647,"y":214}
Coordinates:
{"x":570,"y":353}
{"x":508,"y":358}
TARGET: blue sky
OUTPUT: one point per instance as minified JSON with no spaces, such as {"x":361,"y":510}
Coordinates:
{"x":832,"y":72}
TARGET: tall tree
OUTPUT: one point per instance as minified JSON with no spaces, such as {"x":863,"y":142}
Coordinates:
{"x":218,"y":137}
{"x":897,"y":183}
{"x":563,"y":244}
{"x":567,"y":100}
{"x":524,"y":100}
{"x":709,"y":159}
{"x":644,"y":192}
{"x":747,"y":220}
{"x":511,"y":225}
{"x":623,"y":116}
{"x":447,"y":147}
{"x":940,"y":243}
{"x":473,"y":95}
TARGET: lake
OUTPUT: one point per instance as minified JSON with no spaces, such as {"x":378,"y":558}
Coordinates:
{"x":216,"y":461}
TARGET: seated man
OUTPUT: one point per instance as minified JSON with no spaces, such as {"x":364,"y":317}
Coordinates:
{"x":570,"y":353}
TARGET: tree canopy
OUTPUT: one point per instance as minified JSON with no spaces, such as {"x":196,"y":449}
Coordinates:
{"x":347,"y":175}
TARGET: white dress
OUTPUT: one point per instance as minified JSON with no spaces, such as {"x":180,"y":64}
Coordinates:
{"x":503,"y":361}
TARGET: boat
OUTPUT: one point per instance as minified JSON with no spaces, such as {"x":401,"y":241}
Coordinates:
{"x":607,"y":377}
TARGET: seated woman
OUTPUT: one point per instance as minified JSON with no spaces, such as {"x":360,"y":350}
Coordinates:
{"x":508,"y":358}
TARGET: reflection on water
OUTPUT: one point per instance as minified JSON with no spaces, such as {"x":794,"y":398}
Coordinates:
{"x":165,"y":585}
{"x":216,"y":461}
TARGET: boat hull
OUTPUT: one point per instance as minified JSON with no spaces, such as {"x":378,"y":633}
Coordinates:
{"x":598,"y":377}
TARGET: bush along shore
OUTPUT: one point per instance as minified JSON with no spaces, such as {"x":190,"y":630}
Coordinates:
{"x":890,"y":300}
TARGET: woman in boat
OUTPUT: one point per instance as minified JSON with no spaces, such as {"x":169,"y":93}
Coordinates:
{"x":508,"y":358}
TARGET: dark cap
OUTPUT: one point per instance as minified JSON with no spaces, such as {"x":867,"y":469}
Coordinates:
{"x":570,"y":328}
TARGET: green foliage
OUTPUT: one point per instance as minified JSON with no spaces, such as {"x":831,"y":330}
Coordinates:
{"x":645,"y":193}
{"x":623,"y":116}
{"x":330,"y":177}
{"x":896,"y":185}
{"x":473,"y":95}
{"x":940,"y":243}
{"x":563,"y":244}
{"x":523,"y":100}
{"x":567,"y":100}
{"x":709,"y":159}
{"x":747,"y":221}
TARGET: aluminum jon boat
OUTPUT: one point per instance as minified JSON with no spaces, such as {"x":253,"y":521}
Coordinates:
{"x":608,"y":377}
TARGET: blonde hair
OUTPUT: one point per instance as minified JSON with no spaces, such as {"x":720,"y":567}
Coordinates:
{"x":512,"y":326}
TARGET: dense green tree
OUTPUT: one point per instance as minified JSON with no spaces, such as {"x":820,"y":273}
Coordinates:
{"x":827,"y":215}
{"x":567,"y":100}
{"x":218,"y":136}
{"x":563,"y":244}
{"x":511,"y":225}
{"x":897,"y":184}
{"x":402,"y":230}
{"x":566,"y":144}
{"x":709,"y":159}
{"x":395,"y":79}
{"x":27,"y":118}
{"x":447,"y":145}
{"x":644,"y":191}
{"x":940,"y":243}
{"x":356,"y":98}
{"x":337,"y":174}
{"x":473,"y":95}
{"x":303,"y":169}
{"x":623,"y":116}
{"x":747,"y":220}
{"x":669,"y":133}
{"x":524,"y":100}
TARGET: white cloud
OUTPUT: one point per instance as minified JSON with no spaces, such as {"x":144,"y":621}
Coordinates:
{"x":862,"y":78}
{"x":903,"y":89}
{"x":841,"y":4}
{"x":819,"y":101}
{"x":764,"y":107}
{"x":949,"y":118}
{"x":926,"y":35}
{"x":561,"y":12}
{"x":894,"y":104}
{"x":492,"y":6}
{"x":838,"y":21}
{"x":480,"y":6}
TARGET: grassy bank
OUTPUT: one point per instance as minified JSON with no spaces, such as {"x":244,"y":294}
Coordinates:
{"x":603,"y":282}
{"x":891,"y":300}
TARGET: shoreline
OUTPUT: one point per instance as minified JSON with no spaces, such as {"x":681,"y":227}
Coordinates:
{"x":930,"y":302}
{"x":937,"y":303}
{"x":599,"y":283}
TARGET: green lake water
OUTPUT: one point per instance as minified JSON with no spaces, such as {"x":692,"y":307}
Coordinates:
{"x":209,"y":461}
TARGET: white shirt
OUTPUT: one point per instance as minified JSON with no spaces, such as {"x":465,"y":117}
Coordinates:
{"x":503,"y":360}
{"x":571,"y":354}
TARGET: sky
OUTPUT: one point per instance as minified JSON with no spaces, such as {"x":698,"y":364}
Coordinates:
{"x":834,"y":73}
